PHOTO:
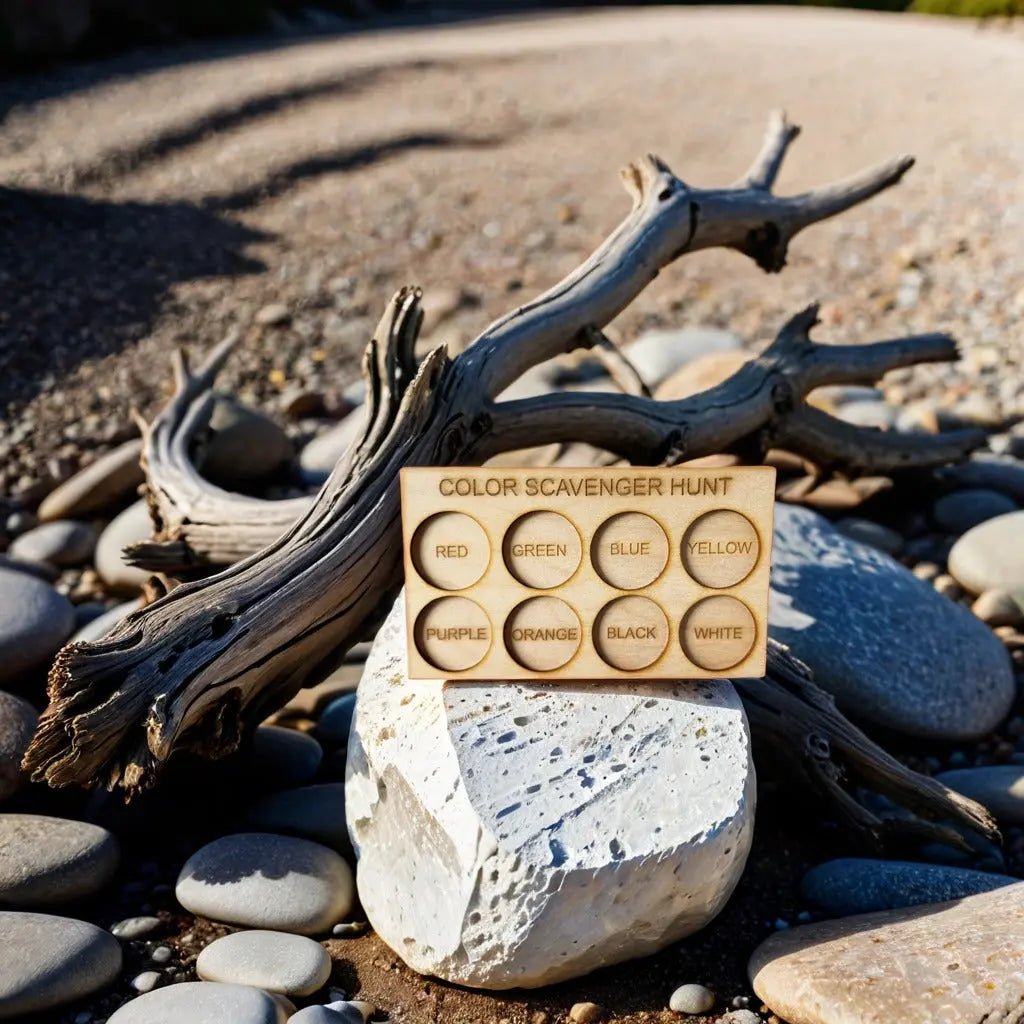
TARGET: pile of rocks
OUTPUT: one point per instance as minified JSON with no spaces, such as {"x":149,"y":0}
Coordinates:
{"x":521,"y":835}
{"x":62,"y":877}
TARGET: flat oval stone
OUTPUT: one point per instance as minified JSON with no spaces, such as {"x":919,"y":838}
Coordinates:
{"x":48,"y":961}
{"x":334,"y":724}
{"x":17,"y":723}
{"x":990,"y":556}
{"x":135,"y":927}
{"x":34,"y":622}
{"x":888,"y":647}
{"x":313,"y":812}
{"x":202,"y":1002}
{"x":321,"y":455}
{"x":130,"y":526}
{"x":259,"y":880}
{"x":657,"y":354}
{"x":64,"y":542}
{"x":245,"y":445}
{"x":276,"y":961}
{"x":111,"y":478}
{"x":858,"y":885}
{"x":942,"y":963}
{"x":284,"y":757}
{"x":962,"y":510}
{"x":1000,"y":788}
{"x":45,"y":860}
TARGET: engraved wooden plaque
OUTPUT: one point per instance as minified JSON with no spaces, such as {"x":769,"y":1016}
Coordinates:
{"x":587,"y":573}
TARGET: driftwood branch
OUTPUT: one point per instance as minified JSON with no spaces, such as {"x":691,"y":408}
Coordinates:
{"x":800,"y":725}
{"x":205,"y":663}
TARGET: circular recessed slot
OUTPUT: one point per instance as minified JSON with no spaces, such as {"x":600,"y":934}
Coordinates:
{"x":629,"y":551}
{"x":453,"y":633}
{"x":718,"y":632}
{"x":720,"y":549}
{"x":450,"y":550}
{"x":543,"y":633}
{"x":542,"y":549}
{"x":631,"y":633}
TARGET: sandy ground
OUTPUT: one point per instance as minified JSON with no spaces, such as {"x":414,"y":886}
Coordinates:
{"x":157,"y":201}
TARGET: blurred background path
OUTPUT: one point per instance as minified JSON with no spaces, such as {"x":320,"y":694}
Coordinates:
{"x":140,"y":210}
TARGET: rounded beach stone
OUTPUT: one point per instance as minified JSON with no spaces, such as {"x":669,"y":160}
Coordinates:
{"x":276,"y":961}
{"x":34,"y":622}
{"x":658,"y":353}
{"x":17,"y":723}
{"x":333,"y":726}
{"x":1000,"y":607}
{"x":1000,"y":788}
{"x":48,"y":961}
{"x":692,"y":999}
{"x":949,"y":962}
{"x":111,"y":478}
{"x":704,"y":372}
{"x":259,"y":880}
{"x":203,"y":1002}
{"x":313,"y":812}
{"x":960,"y":511}
{"x":64,"y":542}
{"x":130,"y":526}
{"x":45,"y":861}
{"x":890,"y":648}
{"x":991,"y":556}
{"x":284,"y":757}
{"x":321,"y":455}
{"x":510,"y":835}
{"x":135,"y":927}
{"x":858,"y":885}
{"x":245,"y":444}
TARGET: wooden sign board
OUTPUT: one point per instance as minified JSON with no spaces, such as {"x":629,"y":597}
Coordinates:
{"x":587,"y":573}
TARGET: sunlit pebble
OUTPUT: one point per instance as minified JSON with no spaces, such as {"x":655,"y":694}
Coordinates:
{"x":161,"y":955}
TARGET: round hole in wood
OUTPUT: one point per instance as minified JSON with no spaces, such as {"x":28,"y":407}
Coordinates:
{"x":720,"y":549}
{"x":453,"y":633}
{"x":450,"y":550}
{"x":631,"y":633}
{"x":629,"y":551}
{"x":718,"y":632}
{"x":542,"y":549}
{"x":543,"y":633}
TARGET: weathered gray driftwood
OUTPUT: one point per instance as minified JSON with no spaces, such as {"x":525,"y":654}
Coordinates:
{"x":214,"y":656}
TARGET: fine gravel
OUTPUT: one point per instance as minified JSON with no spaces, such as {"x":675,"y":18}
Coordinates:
{"x":144,"y":211}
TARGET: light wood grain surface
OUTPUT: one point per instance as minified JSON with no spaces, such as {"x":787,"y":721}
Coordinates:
{"x":587,"y":573}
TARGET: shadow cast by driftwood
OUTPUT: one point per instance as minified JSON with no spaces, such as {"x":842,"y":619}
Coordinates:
{"x":83,"y":278}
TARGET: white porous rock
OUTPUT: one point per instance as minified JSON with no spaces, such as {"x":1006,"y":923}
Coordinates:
{"x":519,"y":834}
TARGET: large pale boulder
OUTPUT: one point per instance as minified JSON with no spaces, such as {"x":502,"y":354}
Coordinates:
{"x":942,"y":963}
{"x":521,"y":834}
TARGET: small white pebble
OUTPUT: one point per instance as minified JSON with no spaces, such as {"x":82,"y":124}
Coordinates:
{"x":740,"y":1017}
{"x":161,"y":955}
{"x":146,"y":981}
{"x":135,"y":927}
{"x":692,"y":999}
